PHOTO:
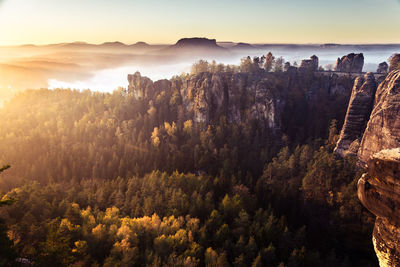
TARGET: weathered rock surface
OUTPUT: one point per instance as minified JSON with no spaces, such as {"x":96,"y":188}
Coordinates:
{"x":309,"y":64}
{"x":394,"y":62}
{"x":379,"y":192}
{"x":383,"y":68}
{"x":383,"y":128}
{"x":350,"y":63}
{"x":358,"y":112}
{"x":245,"y":97}
{"x":140,"y":87}
{"x":215,"y":94}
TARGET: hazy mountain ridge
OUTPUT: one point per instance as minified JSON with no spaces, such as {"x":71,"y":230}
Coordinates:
{"x":95,"y":65}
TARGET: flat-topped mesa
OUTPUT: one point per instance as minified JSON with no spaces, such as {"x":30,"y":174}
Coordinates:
{"x":379,"y":192}
{"x":383,"y":128}
{"x":350,"y":63}
{"x":358,"y":112}
{"x":196,"y":42}
{"x":309,"y":64}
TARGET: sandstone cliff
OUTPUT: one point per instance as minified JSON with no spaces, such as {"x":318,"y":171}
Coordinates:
{"x":285,"y":102}
{"x":379,"y":192}
{"x":350,"y":63}
{"x":383,"y":128}
{"x":358,"y":112}
{"x":379,"y":188}
{"x":394,"y":61}
{"x":210,"y":95}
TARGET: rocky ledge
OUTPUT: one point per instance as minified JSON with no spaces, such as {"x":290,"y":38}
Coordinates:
{"x":379,"y":192}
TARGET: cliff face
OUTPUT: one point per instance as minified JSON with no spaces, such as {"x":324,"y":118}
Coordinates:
{"x":383,"y":128}
{"x":141,"y":87}
{"x":211,"y":95}
{"x":350,"y":63}
{"x":358,"y":112}
{"x":379,"y":188}
{"x":285,"y":102}
{"x":379,"y":192}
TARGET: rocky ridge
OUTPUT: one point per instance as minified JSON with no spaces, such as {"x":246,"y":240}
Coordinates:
{"x":242,"y":97}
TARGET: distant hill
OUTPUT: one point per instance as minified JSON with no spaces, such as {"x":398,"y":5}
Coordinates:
{"x":240,"y":46}
{"x":140,"y":45}
{"x":113,"y":44}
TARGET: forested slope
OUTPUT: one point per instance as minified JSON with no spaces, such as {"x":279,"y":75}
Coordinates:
{"x":118,"y":179}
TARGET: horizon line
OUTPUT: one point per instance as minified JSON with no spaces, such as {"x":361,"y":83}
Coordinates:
{"x":153,"y":44}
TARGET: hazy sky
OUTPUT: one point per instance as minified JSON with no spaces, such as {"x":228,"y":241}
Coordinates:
{"x":165,"y":21}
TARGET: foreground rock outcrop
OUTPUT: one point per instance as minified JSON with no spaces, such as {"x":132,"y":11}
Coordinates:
{"x":383,"y":128}
{"x":379,"y":152}
{"x":350,"y":63}
{"x":358,"y":112}
{"x":379,"y":192}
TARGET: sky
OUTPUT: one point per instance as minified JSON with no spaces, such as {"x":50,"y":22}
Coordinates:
{"x":166,"y":21}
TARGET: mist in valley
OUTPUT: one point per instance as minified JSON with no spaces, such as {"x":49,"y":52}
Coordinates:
{"x":105,"y":67}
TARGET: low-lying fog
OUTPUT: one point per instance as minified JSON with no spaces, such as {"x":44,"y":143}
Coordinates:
{"x":105,"y":67}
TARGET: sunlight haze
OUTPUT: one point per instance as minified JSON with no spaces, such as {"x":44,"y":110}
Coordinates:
{"x":54,"y":21}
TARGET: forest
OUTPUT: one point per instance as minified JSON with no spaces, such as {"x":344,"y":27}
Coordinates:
{"x":109,"y":179}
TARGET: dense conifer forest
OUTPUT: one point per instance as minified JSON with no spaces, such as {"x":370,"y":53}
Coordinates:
{"x":107,"y":179}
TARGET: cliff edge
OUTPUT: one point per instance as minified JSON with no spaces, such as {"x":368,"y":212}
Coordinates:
{"x":383,"y":128}
{"x":379,"y":192}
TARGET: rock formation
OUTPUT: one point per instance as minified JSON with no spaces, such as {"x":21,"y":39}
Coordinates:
{"x":382,"y":68}
{"x":213,"y":94}
{"x":358,"y":112}
{"x":243,"y":97}
{"x":379,"y":192}
{"x":141,"y":87}
{"x":379,"y":188}
{"x":394,"y":62}
{"x":383,"y":128}
{"x":350,"y":63}
{"x":309,"y":64}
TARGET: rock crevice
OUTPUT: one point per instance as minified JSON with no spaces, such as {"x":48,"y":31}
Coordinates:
{"x":358,"y":112}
